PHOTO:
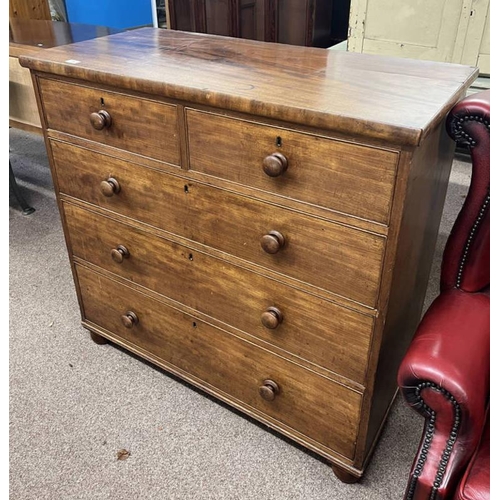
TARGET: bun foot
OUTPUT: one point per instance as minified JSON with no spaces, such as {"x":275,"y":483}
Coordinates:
{"x":344,"y":476}
{"x":98,"y":339}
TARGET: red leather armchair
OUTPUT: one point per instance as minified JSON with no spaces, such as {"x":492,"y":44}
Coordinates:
{"x":444,"y":375}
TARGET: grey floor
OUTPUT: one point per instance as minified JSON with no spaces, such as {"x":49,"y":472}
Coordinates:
{"x":74,"y":404}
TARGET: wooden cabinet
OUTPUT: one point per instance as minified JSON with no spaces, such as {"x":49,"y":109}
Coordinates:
{"x":456,"y":31}
{"x":27,"y":36}
{"x":295,"y":22}
{"x":257,"y":219}
{"x":29,"y":9}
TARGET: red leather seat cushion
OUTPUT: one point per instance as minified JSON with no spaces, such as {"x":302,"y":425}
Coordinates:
{"x":475,"y":484}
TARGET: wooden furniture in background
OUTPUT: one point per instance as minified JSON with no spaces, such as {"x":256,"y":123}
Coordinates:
{"x":258,"y":219}
{"x":23,"y":111}
{"x":296,"y":22}
{"x":440,"y":30}
{"x":29,"y":9}
{"x":28,"y":37}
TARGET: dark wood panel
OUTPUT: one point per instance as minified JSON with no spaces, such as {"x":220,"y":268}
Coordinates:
{"x":182,"y":15}
{"x":352,"y":258}
{"x":313,"y":329}
{"x":218,"y":17}
{"x":138,"y":125}
{"x":356,"y":94}
{"x":325,"y":23}
{"x":253,"y":19}
{"x":295,"y":22}
{"x":310,"y":404}
{"x":248,"y":20}
{"x":348,"y":178}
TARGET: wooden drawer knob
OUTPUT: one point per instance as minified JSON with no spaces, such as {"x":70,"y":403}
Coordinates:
{"x":100,"y":120}
{"x":274,"y":165}
{"x":271,"y":318}
{"x":119,"y":253}
{"x":110,"y":187}
{"x":269,"y":390}
{"x":129,"y":319}
{"x":272,"y":242}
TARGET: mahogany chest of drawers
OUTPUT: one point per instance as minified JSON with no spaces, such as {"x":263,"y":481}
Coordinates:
{"x":258,"y":219}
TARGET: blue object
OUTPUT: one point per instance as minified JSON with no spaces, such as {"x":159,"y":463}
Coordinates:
{"x":119,"y":14}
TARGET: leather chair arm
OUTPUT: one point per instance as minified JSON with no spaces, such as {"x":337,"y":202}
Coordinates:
{"x":471,"y":110}
{"x":467,"y":253}
{"x":444,"y":376}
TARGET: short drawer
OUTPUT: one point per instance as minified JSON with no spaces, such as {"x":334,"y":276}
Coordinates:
{"x":309,"y":404}
{"x":349,"y":178}
{"x":138,"y":125}
{"x":337,"y":258}
{"x":304,"y":325}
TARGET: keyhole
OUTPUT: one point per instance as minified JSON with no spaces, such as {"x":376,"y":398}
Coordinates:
{"x":278,"y":142}
{"x":190,"y":256}
{"x":186,"y":188}
{"x":194,"y":324}
{"x":102,"y":101}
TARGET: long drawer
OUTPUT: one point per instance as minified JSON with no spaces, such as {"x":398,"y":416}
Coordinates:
{"x":306,"y":326}
{"x":345,"y":177}
{"x":334,"y":257}
{"x":131,"y":123}
{"x":312,"y":405}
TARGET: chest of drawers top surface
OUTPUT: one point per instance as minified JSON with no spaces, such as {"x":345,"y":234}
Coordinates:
{"x":394,"y":99}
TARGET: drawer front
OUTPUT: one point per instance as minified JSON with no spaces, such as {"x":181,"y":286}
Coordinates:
{"x":331,"y":256}
{"x":314,"y":329}
{"x":353,"y":179}
{"x":310,"y":404}
{"x":138,"y":125}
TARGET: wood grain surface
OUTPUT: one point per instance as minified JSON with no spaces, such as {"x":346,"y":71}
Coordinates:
{"x":398,"y":100}
{"x":138,"y":125}
{"x":29,"y":9}
{"x":345,"y":177}
{"x":313,"y":329}
{"x":310,"y":404}
{"x":352,"y":258}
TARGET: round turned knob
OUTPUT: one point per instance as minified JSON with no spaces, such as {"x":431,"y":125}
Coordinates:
{"x":129,"y":319}
{"x":119,"y":253}
{"x":100,"y":120}
{"x":271,"y":318}
{"x":110,"y":187}
{"x":274,"y":165}
{"x":269,"y":390}
{"x":272,"y":242}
